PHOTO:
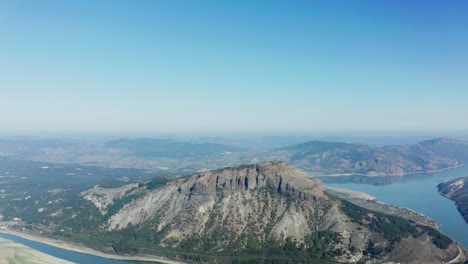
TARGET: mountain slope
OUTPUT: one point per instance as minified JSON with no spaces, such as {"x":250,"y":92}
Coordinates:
{"x":319,"y":158}
{"x":457,"y":191}
{"x":335,"y":158}
{"x":265,"y":213}
{"x":447,"y":147}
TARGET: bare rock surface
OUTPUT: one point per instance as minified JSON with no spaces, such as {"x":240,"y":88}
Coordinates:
{"x":263,"y":203}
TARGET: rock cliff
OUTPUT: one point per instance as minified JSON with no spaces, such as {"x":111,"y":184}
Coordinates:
{"x":457,"y":191}
{"x":261,"y":212}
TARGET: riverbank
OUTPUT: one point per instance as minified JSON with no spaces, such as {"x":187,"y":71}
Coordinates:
{"x":381,"y":175}
{"x":83,"y":249}
{"x":372,"y":203}
{"x":12,"y":252}
{"x":421,"y":195}
{"x":352,"y":194}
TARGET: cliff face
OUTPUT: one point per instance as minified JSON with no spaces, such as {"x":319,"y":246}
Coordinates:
{"x":237,"y":197}
{"x":457,"y":191}
{"x":263,"y":211}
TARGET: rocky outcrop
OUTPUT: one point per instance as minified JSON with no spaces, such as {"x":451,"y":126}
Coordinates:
{"x":262,"y":208}
{"x":457,"y":191}
{"x":230,"y":186}
{"x":102,"y":198}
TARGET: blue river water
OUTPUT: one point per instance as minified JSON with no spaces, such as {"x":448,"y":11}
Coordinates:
{"x":419,"y":193}
{"x":62,"y":253}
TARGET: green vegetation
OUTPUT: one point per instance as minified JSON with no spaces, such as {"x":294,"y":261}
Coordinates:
{"x":250,"y":247}
{"x":155,"y":183}
{"x":202,"y":248}
{"x":391,"y":227}
{"x":440,"y":240}
{"x":83,"y":221}
{"x":119,"y":203}
{"x":111,"y":183}
{"x":78,"y":220}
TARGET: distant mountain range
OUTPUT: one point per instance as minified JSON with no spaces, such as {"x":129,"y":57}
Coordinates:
{"x":319,"y":158}
{"x":166,"y":148}
{"x":337,"y":158}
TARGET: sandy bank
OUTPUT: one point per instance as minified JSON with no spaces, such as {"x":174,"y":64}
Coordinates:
{"x":353,"y":194}
{"x":12,"y":252}
{"x":82,"y":249}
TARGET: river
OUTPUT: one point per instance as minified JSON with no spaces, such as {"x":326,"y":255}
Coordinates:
{"x":418,"y":192}
{"x":62,"y":253}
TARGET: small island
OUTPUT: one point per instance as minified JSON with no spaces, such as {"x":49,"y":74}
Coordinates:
{"x":457,"y":191}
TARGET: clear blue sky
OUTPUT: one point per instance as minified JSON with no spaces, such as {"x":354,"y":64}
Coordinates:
{"x":233,"y":66}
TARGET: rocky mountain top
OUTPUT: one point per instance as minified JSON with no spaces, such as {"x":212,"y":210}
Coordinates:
{"x":266,"y":212}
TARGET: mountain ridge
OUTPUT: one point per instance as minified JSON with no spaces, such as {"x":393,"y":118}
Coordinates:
{"x":318,"y":158}
{"x":267,"y":212}
{"x":321,"y":158}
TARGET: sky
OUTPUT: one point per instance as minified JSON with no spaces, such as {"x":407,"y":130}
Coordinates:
{"x":233,"y":66}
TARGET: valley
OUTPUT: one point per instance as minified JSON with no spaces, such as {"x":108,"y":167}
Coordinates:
{"x":239,"y":213}
{"x":178,"y":158}
{"x":236,"y":213}
{"x":233,"y":132}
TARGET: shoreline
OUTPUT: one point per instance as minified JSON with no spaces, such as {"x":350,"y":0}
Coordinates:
{"x":381,"y":175}
{"x":372,"y":203}
{"x":353,"y":194}
{"x":85,"y":250}
{"x":14,"y":252}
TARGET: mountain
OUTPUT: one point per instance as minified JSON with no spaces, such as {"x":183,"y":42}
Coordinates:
{"x":336,"y":158}
{"x":446,"y":147}
{"x":263,"y":213}
{"x":170,"y":157}
{"x":166,"y":148}
{"x":457,"y":191}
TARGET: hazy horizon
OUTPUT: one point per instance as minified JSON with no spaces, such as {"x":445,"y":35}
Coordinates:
{"x":361,"y":137}
{"x":227,"y":67}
